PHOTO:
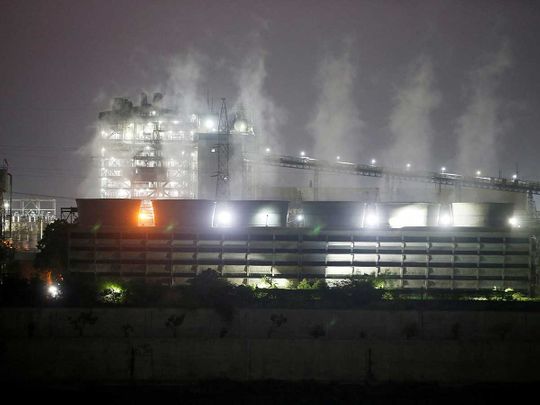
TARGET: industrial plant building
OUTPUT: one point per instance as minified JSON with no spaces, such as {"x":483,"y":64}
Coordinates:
{"x":182,"y":194}
{"x":461,"y":246}
{"x":148,"y":151}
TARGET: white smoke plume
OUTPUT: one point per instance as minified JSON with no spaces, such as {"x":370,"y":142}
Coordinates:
{"x":480,"y":127}
{"x":261,"y":110}
{"x":89,"y":186}
{"x":337,"y":121}
{"x":410,"y":121}
{"x":182,"y":92}
{"x":183,"y":87}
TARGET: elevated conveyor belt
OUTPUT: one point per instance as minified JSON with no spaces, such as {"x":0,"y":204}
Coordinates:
{"x":451,"y":179}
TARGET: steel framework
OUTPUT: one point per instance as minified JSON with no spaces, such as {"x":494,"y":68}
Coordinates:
{"x":146,"y":152}
{"x":443,"y":178}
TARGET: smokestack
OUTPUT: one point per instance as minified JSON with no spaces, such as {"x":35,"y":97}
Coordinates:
{"x":144,"y":100}
{"x":156,"y":100}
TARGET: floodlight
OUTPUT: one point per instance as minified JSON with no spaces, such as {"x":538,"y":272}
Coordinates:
{"x":371,"y":220}
{"x":53,"y":291}
{"x":210,"y":124}
{"x":514,"y":222}
{"x":223,"y":218}
{"x":445,"y":220}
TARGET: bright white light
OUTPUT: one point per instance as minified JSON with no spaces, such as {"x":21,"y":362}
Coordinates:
{"x":514,"y":176}
{"x":6,"y":205}
{"x":299,"y":218}
{"x":240,"y":126}
{"x":408,"y":216}
{"x":443,"y":169}
{"x":371,"y":220}
{"x":175,"y":122}
{"x":408,"y":166}
{"x":478,"y":173}
{"x":445,"y":220}
{"x":338,"y":157}
{"x":514,"y":222}
{"x":209,"y":124}
{"x":302,"y":153}
{"x":152,"y":113}
{"x":213,"y":150}
{"x":373,"y":161}
{"x":53,"y":291}
{"x":267,"y":150}
{"x":224,"y":218}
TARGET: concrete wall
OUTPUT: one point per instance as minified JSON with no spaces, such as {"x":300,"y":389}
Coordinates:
{"x":42,"y":345}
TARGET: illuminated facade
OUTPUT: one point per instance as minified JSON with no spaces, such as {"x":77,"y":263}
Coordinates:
{"x":146,"y":151}
{"x":151,"y":152}
{"x":410,"y":246}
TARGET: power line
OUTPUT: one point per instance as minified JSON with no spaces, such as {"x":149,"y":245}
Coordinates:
{"x":44,"y":195}
{"x":37,"y":147}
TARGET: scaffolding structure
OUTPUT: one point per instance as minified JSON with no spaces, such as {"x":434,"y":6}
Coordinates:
{"x":30,"y":217}
{"x":147,"y":151}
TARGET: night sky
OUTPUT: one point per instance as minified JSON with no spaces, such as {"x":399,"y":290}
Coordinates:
{"x":436,"y":83}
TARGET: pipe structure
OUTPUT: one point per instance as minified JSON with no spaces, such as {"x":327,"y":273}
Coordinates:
{"x":318,"y":165}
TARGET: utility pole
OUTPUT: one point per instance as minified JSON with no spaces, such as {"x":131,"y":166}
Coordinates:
{"x":223,"y":191}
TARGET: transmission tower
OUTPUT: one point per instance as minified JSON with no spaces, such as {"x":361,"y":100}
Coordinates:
{"x":223,"y":191}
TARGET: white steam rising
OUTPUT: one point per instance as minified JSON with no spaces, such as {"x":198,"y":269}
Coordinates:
{"x":410,"y":121}
{"x":182,"y":90}
{"x":89,"y":186}
{"x":478,"y":129}
{"x":336,"y":124}
{"x":183,"y":87}
{"x":261,"y":110}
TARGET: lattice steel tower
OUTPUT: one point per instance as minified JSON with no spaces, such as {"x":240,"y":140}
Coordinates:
{"x":223,"y":191}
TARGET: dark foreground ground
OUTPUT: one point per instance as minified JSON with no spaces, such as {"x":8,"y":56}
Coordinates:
{"x":276,"y":393}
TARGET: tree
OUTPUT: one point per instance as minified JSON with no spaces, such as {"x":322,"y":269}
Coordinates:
{"x":53,"y":247}
{"x":7,"y":252}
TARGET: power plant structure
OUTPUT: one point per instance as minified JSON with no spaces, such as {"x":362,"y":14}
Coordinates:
{"x":460,"y":246}
{"x":152,"y":152}
{"x":179,"y":196}
{"x":29,"y":218}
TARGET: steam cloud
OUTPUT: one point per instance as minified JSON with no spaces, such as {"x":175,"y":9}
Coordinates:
{"x":337,"y":121}
{"x":182,"y":89}
{"x":410,"y":121}
{"x":479,"y":127}
{"x":185,"y":73}
{"x":265,"y":115}
{"x":260,"y":109}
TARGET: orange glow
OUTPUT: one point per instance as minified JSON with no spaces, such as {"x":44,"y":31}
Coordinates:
{"x":145,"y":216}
